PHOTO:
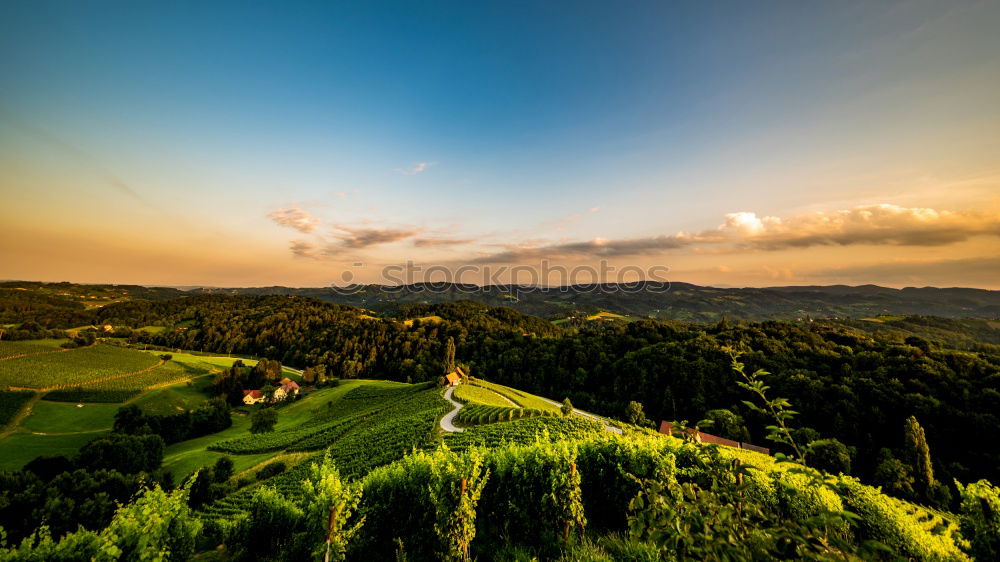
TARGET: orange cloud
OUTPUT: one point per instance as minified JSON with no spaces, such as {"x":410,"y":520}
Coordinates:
{"x":864,"y":225}
{"x":432,"y":242}
{"x":295,"y":218}
{"x":365,"y":237}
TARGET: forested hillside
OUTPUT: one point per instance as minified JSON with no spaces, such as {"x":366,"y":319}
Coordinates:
{"x":852,"y":385}
{"x":678,"y":301}
{"x":854,"y":381}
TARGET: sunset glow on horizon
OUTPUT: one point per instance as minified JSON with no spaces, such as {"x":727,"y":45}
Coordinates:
{"x":238,"y":144}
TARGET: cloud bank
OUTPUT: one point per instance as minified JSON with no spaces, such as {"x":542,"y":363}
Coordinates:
{"x":884,"y":224}
{"x":366,"y":237}
{"x":437,"y":242}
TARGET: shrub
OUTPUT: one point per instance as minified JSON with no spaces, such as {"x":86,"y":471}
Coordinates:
{"x":270,"y":470}
{"x":980,"y":519}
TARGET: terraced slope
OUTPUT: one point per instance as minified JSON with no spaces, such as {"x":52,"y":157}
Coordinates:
{"x":50,"y":371}
{"x":367,"y":427}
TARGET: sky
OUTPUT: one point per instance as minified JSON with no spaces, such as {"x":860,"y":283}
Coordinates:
{"x":315,"y":143}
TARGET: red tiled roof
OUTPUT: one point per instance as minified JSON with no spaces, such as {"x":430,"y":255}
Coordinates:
{"x":702,"y":437}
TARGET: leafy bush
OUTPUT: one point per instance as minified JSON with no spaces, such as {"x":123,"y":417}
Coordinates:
{"x":883,"y":519}
{"x":263,"y":420}
{"x":980,"y":521}
{"x":317,"y":520}
{"x":271,"y":470}
{"x":158,"y":525}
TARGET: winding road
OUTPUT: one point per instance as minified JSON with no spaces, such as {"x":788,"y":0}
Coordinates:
{"x":599,"y":419}
{"x":446,"y":420}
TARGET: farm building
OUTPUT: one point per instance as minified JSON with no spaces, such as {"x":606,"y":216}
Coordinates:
{"x":699,"y":437}
{"x":252,"y":396}
{"x":288,"y":388}
{"x":454,"y":378}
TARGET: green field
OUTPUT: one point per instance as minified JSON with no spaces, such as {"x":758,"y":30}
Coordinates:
{"x":883,"y":318}
{"x":188,"y":456}
{"x":19,"y":448}
{"x":15,"y":348}
{"x":606,"y":316}
{"x":61,"y":417}
{"x":121,"y":389}
{"x":471,"y":394}
{"x":423,"y":320}
{"x":183,"y":395}
{"x":214,"y":363}
{"x":522,"y":399}
{"x":77,"y":366}
{"x":391,"y":420}
{"x":60,"y":427}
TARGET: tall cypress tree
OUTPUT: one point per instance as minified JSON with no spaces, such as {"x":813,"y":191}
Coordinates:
{"x":449,"y":355}
{"x":920,"y":454}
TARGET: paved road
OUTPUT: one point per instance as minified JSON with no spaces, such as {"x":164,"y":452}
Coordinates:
{"x":599,"y":419}
{"x":446,"y":421}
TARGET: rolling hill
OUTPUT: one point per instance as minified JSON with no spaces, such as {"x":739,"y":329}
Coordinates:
{"x":548,"y":485}
{"x":65,"y":305}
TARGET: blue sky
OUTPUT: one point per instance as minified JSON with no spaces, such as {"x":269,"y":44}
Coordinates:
{"x":513,"y":125}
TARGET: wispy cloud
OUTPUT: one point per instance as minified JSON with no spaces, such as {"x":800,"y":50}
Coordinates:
{"x":295,"y":218}
{"x":417,"y":168}
{"x":345,"y":194}
{"x":865,"y":225}
{"x":872,"y":224}
{"x":366,"y":237}
{"x":303,"y":249}
{"x":84,"y":158}
{"x":434,"y":242}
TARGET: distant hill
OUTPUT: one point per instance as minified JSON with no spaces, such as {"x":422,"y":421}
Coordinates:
{"x":681,"y":301}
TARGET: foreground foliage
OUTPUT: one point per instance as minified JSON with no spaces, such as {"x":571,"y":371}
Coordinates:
{"x":158,"y":525}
